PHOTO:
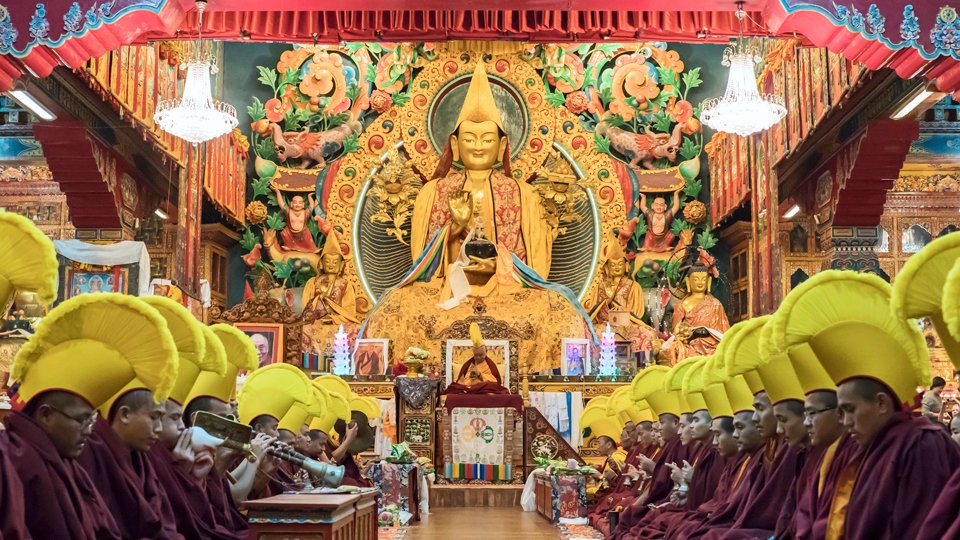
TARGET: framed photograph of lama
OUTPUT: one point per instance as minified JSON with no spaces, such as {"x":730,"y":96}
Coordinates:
{"x":370,"y":357}
{"x":267,"y":338}
{"x":460,"y":351}
{"x":79,"y":282}
{"x":576,"y":357}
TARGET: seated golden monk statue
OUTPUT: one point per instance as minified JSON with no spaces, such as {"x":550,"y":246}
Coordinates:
{"x":480,"y":187}
{"x":699,"y":320}
{"x":479,"y":374}
{"x":472,"y":192}
{"x":618,"y":292}
{"x":332,"y":297}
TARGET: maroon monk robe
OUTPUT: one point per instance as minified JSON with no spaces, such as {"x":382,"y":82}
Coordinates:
{"x":486,"y":387}
{"x":751,"y":477}
{"x":351,"y":471}
{"x":657,"y":523}
{"x":758,"y":518}
{"x":191,"y":509}
{"x":660,"y":486}
{"x":822,"y":501}
{"x":12,"y":512}
{"x":127,"y":484}
{"x":221,"y":501}
{"x":943,"y":521}
{"x":807,"y":479}
{"x":708,"y":467}
{"x":61,"y":501}
{"x":898,"y":478}
{"x":609,"y":500}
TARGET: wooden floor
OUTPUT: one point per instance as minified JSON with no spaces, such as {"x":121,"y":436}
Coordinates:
{"x":481,"y":523}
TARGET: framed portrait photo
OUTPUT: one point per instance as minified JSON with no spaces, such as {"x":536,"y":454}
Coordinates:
{"x":370,"y":357}
{"x":267,"y":338}
{"x":576,"y":357}
{"x":460,"y":351}
{"x":82,"y":282}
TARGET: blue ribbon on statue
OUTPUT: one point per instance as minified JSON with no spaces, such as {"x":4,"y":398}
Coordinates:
{"x":426,"y":265}
{"x":529,"y":278}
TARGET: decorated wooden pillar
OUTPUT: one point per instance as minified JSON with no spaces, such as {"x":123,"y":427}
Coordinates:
{"x":852,"y":248}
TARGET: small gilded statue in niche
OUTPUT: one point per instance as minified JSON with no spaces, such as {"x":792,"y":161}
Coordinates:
{"x":331,"y":296}
{"x":618,"y":292}
{"x":659,"y":237}
{"x":699,"y":319}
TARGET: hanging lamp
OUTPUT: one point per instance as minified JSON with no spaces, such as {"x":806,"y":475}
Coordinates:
{"x":196,"y":117}
{"x":742,"y":109}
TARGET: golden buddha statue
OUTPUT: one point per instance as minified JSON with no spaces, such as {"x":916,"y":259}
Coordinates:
{"x":698,"y":320}
{"x":480,"y":189}
{"x":331,"y":296}
{"x":617,"y":292}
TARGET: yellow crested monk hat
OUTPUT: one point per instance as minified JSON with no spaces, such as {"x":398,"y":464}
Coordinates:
{"x":622,"y":405}
{"x":673,"y":382}
{"x":476,"y":337}
{"x":928,"y":286}
{"x":648,"y":385}
{"x":596,"y":419}
{"x":692,"y":384}
{"x":301,"y":413}
{"x":846,"y":320}
{"x":240,"y":354}
{"x":338,"y":407}
{"x":29,"y":261}
{"x":741,"y":352}
{"x":192,"y":338}
{"x":367,"y":405}
{"x":479,"y":105}
{"x":805,"y":368}
{"x":93,"y":345}
{"x":272,"y":390}
{"x":738,"y":390}
{"x":714,"y":375}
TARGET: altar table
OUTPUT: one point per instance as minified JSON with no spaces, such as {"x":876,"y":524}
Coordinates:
{"x":561,"y":496}
{"x":310,"y":516}
{"x":399,"y":484}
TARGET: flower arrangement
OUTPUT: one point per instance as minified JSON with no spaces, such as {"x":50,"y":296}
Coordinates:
{"x":414,"y":359}
{"x":564,"y":468}
{"x":389,"y":516}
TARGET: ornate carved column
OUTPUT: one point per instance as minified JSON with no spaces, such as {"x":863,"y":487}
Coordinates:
{"x":852,"y":248}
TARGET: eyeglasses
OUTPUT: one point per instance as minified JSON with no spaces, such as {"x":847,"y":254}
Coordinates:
{"x":85,"y":422}
{"x":810,"y":413}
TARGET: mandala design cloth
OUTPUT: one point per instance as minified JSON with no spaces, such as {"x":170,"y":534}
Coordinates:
{"x":478,"y":435}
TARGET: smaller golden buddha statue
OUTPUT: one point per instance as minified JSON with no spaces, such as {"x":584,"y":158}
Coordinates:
{"x":698,"y":320}
{"x":331,"y":296}
{"x":618,"y":292}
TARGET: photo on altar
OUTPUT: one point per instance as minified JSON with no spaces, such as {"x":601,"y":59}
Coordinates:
{"x":576,"y":357}
{"x":79,"y":282}
{"x":370,"y":357}
{"x":268,"y":340}
{"x":459,"y":351}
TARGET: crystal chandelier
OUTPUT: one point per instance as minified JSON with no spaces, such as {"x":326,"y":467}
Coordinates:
{"x":742,"y":109}
{"x":196,"y":117}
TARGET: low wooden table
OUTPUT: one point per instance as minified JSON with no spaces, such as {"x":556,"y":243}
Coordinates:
{"x":560,"y":496}
{"x":309,"y":516}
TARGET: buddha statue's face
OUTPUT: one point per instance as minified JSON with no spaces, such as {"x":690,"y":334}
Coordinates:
{"x":478,"y":144}
{"x":296,"y":203}
{"x":331,"y":264}
{"x":698,"y":282}
{"x":616,"y":268}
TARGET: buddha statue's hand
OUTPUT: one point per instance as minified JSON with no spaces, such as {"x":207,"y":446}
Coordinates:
{"x":683,"y":332}
{"x":483,"y":266}
{"x":461,"y":210}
